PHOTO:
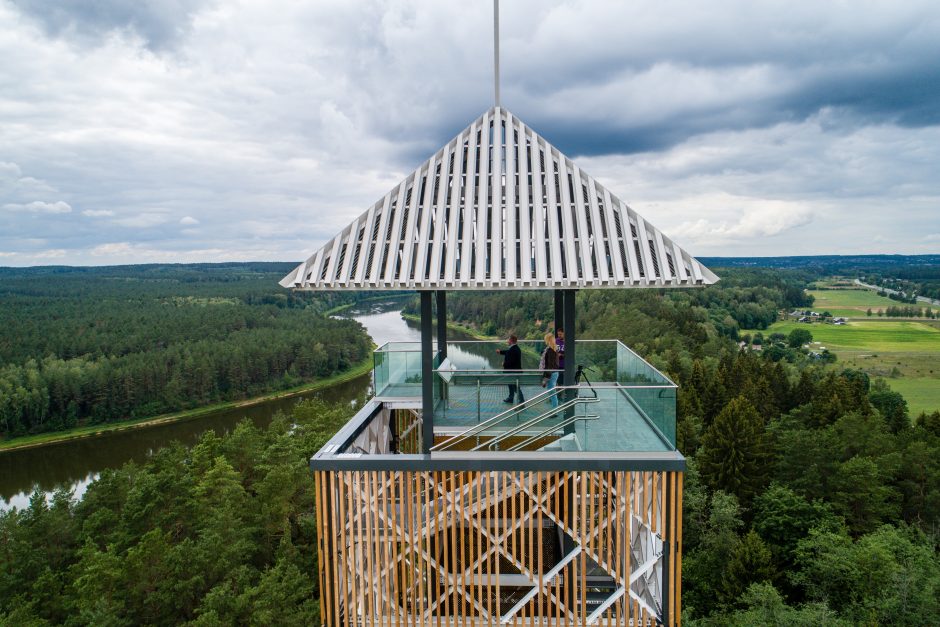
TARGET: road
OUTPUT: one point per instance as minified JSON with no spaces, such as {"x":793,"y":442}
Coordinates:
{"x":921,"y":299}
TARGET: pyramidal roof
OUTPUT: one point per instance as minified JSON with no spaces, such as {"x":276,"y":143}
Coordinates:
{"x":498,"y":207}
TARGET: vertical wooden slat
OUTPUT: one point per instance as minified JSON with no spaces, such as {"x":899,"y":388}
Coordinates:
{"x":680,"y":478}
{"x":447,"y":543}
{"x":421,"y":543}
{"x":464,"y":535}
{"x":389,"y":565}
{"x":401,"y":510}
{"x":323,"y":526}
{"x":674,"y":545}
{"x":355,"y":538}
{"x":487,"y":503}
{"x":368,"y":546}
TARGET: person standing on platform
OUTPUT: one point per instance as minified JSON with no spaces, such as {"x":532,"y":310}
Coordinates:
{"x":560,"y":348}
{"x":512,"y":360}
{"x":549,"y":366}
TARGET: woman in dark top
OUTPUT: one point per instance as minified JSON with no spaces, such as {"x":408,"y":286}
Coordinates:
{"x":549,"y":366}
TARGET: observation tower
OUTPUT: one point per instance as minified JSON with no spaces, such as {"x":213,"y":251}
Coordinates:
{"x":437,"y":503}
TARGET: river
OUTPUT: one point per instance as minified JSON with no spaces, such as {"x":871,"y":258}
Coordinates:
{"x":76,"y":463}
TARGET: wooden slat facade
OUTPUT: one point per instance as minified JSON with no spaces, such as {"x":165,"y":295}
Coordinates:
{"x":499,"y":547}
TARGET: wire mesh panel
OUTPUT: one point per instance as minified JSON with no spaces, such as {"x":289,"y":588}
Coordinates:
{"x":499,"y":547}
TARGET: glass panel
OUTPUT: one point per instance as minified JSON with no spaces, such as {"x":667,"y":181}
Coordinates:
{"x":623,"y":403}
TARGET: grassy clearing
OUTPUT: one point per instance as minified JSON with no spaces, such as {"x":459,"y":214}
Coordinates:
{"x":86,"y":431}
{"x":906,"y":353}
{"x":870,"y":336}
{"x":849,"y":302}
{"x":921,"y":394}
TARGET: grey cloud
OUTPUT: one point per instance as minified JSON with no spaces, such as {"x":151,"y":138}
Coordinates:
{"x":160,"y":23}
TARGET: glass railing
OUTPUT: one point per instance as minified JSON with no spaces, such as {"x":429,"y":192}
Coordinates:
{"x":637,"y":408}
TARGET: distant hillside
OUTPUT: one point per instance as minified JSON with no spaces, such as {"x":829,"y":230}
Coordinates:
{"x":828,"y":264}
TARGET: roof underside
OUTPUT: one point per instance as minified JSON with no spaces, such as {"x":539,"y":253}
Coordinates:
{"x":527,"y":219}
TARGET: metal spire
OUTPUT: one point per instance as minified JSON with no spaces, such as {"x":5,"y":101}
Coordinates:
{"x":496,"y":47}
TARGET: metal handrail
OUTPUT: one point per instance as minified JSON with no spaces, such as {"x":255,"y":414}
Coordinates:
{"x":534,"y":421}
{"x":512,"y":411}
{"x":560,"y":425}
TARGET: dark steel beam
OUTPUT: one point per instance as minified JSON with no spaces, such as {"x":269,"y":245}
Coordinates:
{"x":427,"y":371}
{"x":570,"y":336}
{"x":442,"y":323}
{"x":571,"y":357}
{"x":559,"y":310}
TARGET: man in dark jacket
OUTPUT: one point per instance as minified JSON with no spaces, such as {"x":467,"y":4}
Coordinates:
{"x":512,"y":360}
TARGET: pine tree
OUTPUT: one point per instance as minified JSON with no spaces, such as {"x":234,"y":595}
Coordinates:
{"x":734,"y":451}
{"x":749,"y":562}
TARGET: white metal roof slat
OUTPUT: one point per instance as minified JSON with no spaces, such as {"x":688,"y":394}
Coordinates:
{"x":499,"y":210}
{"x":597,"y":240}
{"x":575,"y":276}
{"x":696,"y":271}
{"x":365,"y":243}
{"x":335,"y":269}
{"x":663,"y":260}
{"x":554,"y":228}
{"x":313,"y":270}
{"x":296,"y":277}
{"x":512,"y":237}
{"x":455,"y":211}
{"x":620,"y":273}
{"x":394,"y":236}
{"x":427,"y":209}
{"x":331,"y":261}
{"x":587,"y":271}
{"x":466,"y":245}
{"x":679,"y":263}
{"x":437,"y":244}
{"x":539,"y":207}
{"x":525,"y":242}
{"x":645,"y":251}
{"x":486,"y":145}
{"x":632,"y":261}
{"x":408,"y":241}
{"x":375,"y":273}
{"x":350,"y":239}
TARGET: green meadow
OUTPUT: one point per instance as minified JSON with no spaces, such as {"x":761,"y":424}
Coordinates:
{"x":850,"y":303}
{"x":906,"y":353}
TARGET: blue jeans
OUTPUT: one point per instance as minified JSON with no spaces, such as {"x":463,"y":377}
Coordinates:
{"x":552,"y":381}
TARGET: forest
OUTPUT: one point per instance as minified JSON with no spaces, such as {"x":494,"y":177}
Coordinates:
{"x":95,"y":345}
{"x":812,"y":497}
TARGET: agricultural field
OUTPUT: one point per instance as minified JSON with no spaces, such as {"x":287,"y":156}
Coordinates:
{"x":905,"y":353}
{"x":850,"y":303}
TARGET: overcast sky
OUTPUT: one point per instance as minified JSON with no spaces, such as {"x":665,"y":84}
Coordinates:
{"x":201,"y":130}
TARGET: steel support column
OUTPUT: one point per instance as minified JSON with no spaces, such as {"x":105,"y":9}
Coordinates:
{"x":559,"y":310}
{"x":442,"y":323}
{"x":427,"y":371}
{"x":570,"y":352}
{"x":570,"y":333}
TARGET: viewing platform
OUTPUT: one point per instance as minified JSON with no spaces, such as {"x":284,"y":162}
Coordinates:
{"x":620,"y":403}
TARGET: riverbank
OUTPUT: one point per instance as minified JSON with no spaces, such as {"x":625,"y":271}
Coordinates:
{"x":383,"y":297}
{"x":454,"y":326}
{"x":90,"y":431}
